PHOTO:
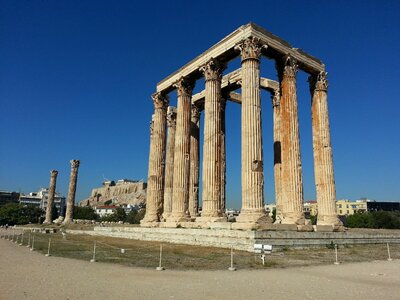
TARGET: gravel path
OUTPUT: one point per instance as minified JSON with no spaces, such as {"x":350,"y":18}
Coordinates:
{"x":30,"y":275}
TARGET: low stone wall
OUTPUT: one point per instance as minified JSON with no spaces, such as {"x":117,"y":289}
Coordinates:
{"x":241,"y":239}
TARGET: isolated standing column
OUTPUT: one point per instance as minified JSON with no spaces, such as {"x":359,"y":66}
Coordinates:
{"x":71,"y":191}
{"x":180,"y":198}
{"x":252,"y":152}
{"x":194,"y":162}
{"x":276,"y":105}
{"x":50,"y":200}
{"x":223,"y":156}
{"x":155,"y":181}
{"x":211,"y":181}
{"x":169,"y":162}
{"x":323,"y":161}
{"x":291,"y":172}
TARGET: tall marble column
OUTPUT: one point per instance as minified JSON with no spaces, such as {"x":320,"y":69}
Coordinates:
{"x":50,"y":199}
{"x":180,"y":198}
{"x":223,"y":155}
{"x":211,"y":181}
{"x":291,"y":172}
{"x":252,"y":153}
{"x":169,"y":169}
{"x":323,"y":161}
{"x":155,"y":181}
{"x":71,"y":191}
{"x":276,"y":105}
{"x":194,"y":162}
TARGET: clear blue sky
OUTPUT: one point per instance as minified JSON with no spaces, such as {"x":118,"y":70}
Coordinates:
{"x":76,"y":79}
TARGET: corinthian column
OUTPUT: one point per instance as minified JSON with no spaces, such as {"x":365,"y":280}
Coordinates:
{"x":71,"y":191}
{"x":252,"y":153}
{"x":180,"y":198}
{"x":323,"y":162}
{"x":291,"y":174}
{"x":50,"y":200}
{"x":169,"y":169}
{"x":155,"y":181}
{"x":211,"y":193}
{"x":194,"y":162}
{"x":223,"y":156}
{"x":276,"y":105}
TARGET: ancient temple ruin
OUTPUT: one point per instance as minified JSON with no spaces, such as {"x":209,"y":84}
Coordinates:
{"x":173,"y":176}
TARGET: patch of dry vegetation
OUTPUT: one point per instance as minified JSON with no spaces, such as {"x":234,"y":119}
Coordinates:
{"x":185,"y":257}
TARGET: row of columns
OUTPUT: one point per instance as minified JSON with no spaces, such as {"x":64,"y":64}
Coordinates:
{"x":71,"y":194}
{"x":179,"y":192}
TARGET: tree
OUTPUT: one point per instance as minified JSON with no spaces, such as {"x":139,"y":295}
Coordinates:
{"x":85,"y":213}
{"x":135,"y":216}
{"x":118,"y":215}
{"x":18,"y":214}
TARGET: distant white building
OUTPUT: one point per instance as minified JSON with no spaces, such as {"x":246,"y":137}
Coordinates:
{"x":40,"y":199}
{"x":105,"y":210}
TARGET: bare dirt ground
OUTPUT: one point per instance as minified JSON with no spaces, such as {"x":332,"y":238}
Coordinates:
{"x":31,"y":275}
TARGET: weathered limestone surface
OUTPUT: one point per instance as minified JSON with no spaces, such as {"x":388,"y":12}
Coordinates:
{"x":276,"y":105}
{"x":323,"y":162}
{"x":194,"y":162}
{"x":155,"y":182}
{"x":252,"y":154}
{"x":291,"y":173}
{"x":71,"y":191}
{"x":169,"y":168}
{"x":180,"y":199}
{"x":212,"y":143}
{"x":223,"y":155}
{"x":50,"y":200}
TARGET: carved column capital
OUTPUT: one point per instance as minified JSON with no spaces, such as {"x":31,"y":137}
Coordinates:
{"x":318,"y":82}
{"x":250,"y":48}
{"x":53,"y":173}
{"x":287,"y":67}
{"x":276,"y":98}
{"x":75,"y":164}
{"x":171,"y":117}
{"x":160,"y":100}
{"x":184,"y":87}
{"x":212,"y":69}
{"x":195,"y":112}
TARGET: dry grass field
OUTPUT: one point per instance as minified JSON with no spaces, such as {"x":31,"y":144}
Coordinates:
{"x":185,"y":257}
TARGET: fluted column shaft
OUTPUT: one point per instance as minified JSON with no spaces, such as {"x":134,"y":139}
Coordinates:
{"x":211,"y":194}
{"x":169,"y":168}
{"x":194,"y":162}
{"x":71,"y":191}
{"x":277,"y":155}
{"x":223,"y":156}
{"x":323,"y":161}
{"x":180,"y":198}
{"x":50,"y":199}
{"x":155,"y":181}
{"x":252,"y":152}
{"x":291,"y":172}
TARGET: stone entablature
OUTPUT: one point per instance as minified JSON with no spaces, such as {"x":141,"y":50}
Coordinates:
{"x":225,"y":51}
